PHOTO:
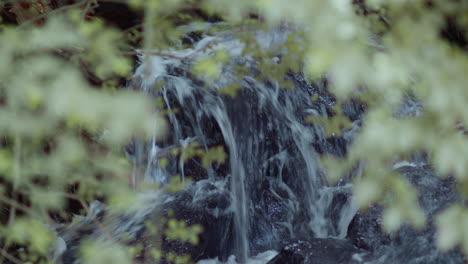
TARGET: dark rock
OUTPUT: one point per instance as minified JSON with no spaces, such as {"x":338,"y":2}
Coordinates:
{"x":408,"y":245}
{"x":206,"y":204}
{"x":271,"y":212}
{"x":365,"y":230}
{"x":333,"y":145}
{"x":409,"y":107}
{"x":413,"y":246}
{"x":118,"y":14}
{"x":191,"y":38}
{"x":319,"y":251}
{"x":203,"y":203}
{"x":354,"y":109}
{"x":325,"y":101}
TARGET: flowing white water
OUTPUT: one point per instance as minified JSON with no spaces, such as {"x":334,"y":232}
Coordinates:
{"x":239,"y":196}
{"x":276,"y":190}
{"x":261,"y":258}
{"x":270,"y":189}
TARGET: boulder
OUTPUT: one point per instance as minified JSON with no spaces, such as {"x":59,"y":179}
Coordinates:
{"x":319,"y":251}
{"x":408,"y":245}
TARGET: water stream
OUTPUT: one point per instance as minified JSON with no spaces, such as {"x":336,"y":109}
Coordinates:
{"x":276,"y":188}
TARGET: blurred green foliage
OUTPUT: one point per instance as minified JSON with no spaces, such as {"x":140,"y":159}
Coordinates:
{"x":63,"y":121}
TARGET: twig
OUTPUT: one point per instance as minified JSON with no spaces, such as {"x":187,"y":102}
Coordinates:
{"x":133,"y":27}
{"x":78,"y":199}
{"x":15,"y":204}
{"x":58,"y":10}
{"x":10,"y":257}
{"x":87,"y":8}
{"x":16,"y":176}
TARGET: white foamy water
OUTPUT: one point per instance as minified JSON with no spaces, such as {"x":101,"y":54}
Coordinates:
{"x":261,"y":258}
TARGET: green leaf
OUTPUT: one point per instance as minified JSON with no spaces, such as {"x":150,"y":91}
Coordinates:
{"x":214,"y":154}
{"x":98,"y":251}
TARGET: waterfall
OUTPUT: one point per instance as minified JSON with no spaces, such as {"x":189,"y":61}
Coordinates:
{"x":267,"y":191}
{"x":270,"y":192}
{"x":275,"y":186}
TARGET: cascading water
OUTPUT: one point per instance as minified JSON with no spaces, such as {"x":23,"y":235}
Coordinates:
{"x":270,"y":193}
{"x":276,"y":188}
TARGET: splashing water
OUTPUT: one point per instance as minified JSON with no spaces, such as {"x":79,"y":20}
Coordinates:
{"x":276,"y":188}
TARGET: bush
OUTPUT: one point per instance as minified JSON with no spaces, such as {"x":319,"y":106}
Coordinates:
{"x":64,"y":119}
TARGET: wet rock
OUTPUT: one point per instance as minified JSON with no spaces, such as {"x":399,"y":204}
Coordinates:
{"x":323,"y":105}
{"x":435,"y":193}
{"x":203,"y":203}
{"x":271,"y":214}
{"x":408,"y":245}
{"x":319,"y":251}
{"x":206,"y":204}
{"x":410,"y":107}
{"x":354,"y":109}
{"x":333,"y":145}
{"x":413,"y":246}
{"x":365,"y":230}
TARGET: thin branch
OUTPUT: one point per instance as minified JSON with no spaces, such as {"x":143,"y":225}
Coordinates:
{"x":10,"y":257}
{"x":89,"y":5}
{"x":16,"y":176}
{"x":133,"y":27}
{"x":56,"y":11}
{"x":16,"y":205}
{"x":78,"y":199}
